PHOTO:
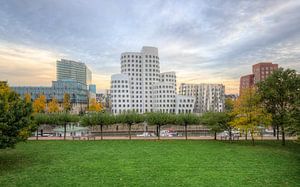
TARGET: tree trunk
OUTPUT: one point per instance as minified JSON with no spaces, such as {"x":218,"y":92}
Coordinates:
{"x":246,"y":135}
{"x":283,"y":135}
{"x":215,"y":135}
{"x":230,"y":135}
{"x":252,"y":136}
{"x":101,"y":131}
{"x":65,"y":131}
{"x":129,"y":128}
{"x":185,"y":129}
{"x":158,"y":132}
{"x":277,"y":127}
{"x":274,"y":131}
{"x":37,"y":133}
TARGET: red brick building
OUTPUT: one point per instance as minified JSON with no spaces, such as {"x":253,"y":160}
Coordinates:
{"x":260,"y":72}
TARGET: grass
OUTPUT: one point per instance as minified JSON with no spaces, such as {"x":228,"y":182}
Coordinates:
{"x":150,"y":163}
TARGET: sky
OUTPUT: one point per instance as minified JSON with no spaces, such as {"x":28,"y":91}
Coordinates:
{"x":207,"y":41}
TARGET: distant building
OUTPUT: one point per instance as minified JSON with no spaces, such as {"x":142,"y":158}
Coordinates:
{"x":105,"y":100}
{"x":246,"y":81}
{"x":260,"y":72}
{"x":72,"y":70}
{"x":92,"y":88}
{"x":231,"y":96}
{"x":142,"y":88}
{"x":79,"y":95}
{"x":209,"y":97}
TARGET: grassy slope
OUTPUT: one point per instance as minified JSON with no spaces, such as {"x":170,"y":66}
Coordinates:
{"x":150,"y":163}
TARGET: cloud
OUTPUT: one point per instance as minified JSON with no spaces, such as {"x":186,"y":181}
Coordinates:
{"x":203,"y":41}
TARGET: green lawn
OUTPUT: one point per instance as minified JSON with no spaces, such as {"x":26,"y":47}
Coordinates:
{"x":150,"y":163}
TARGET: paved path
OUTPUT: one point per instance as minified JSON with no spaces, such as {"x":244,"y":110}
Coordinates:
{"x":153,"y":138}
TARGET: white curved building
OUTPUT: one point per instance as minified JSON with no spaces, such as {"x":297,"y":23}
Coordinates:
{"x":148,"y":89}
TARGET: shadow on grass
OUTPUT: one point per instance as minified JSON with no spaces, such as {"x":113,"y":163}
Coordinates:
{"x":291,"y":145}
{"x":12,"y":159}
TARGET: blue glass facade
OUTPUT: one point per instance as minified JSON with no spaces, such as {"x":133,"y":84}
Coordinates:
{"x":78,"y":91}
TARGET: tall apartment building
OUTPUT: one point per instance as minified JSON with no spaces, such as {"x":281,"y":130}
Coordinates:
{"x":246,"y":81}
{"x":142,"y":88}
{"x":209,"y":97}
{"x":72,"y":70}
{"x":260,"y":72}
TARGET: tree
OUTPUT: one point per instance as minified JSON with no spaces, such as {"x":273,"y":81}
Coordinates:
{"x":41,"y":118}
{"x":53,"y":106}
{"x":129,"y":118}
{"x":67,"y":103}
{"x":63,"y":119}
{"x":98,"y":119}
{"x":229,"y":103}
{"x":27,"y":97}
{"x":39,"y":104}
{"x":249,"y":113}
{"x":280,"y":94}
{"x":216,"y":121}
{"x":94,"y":106}
{"x":159,"y":119}
{"x":15,"y":117}
{"x":185,"y":120}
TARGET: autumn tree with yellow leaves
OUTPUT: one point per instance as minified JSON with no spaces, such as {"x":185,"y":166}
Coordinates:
{"x":53,"y":106}
{"x":39,"y":104}
{"x":249,"y":112}
{"x":94,"y":106}
{"x":67,"y":103}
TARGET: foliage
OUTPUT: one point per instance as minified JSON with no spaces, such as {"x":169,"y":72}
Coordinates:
{"x":39,"y":104}
{"x":15,"y":117}
{"x":229,"y":104}
{"x":67,"y":103}
{"x":249,"y":113}
{"x":27,"y":98}
{"x":94,"y":106}
{"x":53,"y":106}
{"x":216,"y":121}
{"x":98,"y":119}
{"x":130,"y":118}
{"x":280,"y":94}
{"x":185,"y":120}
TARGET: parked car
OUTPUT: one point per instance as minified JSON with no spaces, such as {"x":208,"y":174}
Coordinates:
{"x":145,"y":134}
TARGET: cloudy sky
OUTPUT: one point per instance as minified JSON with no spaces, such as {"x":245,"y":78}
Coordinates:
{"x":203,"y":41}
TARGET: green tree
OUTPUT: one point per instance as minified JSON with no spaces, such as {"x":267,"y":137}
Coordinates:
{"x":63,"y":119}
{"x":98,"y":119}
{"x":41,"y":118}
{"x":249,"y":112}
{"x":67,"y":103}
{"x":15,"y":117}
{"x":185,"y":120}
{"x":280,"y":94}
{"x":130,"y":118}
{"x":216,"y":121}
{"x":159,"y":119}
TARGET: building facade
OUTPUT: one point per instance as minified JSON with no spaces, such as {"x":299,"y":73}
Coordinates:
{"x":141,"y":87}
{"x":79,"y":95}
{"x":72,"y":70}
{"x":246,"y":81}
{"x":208,"y":97}
{"x":260,"y":72}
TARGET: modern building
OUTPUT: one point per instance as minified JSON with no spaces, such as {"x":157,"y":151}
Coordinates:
{"x":72,"y":70}
{"x":142,"y":88}
{"x":208,"y":97}
{"x":79,"y":95}
{"x":260,"y":72}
